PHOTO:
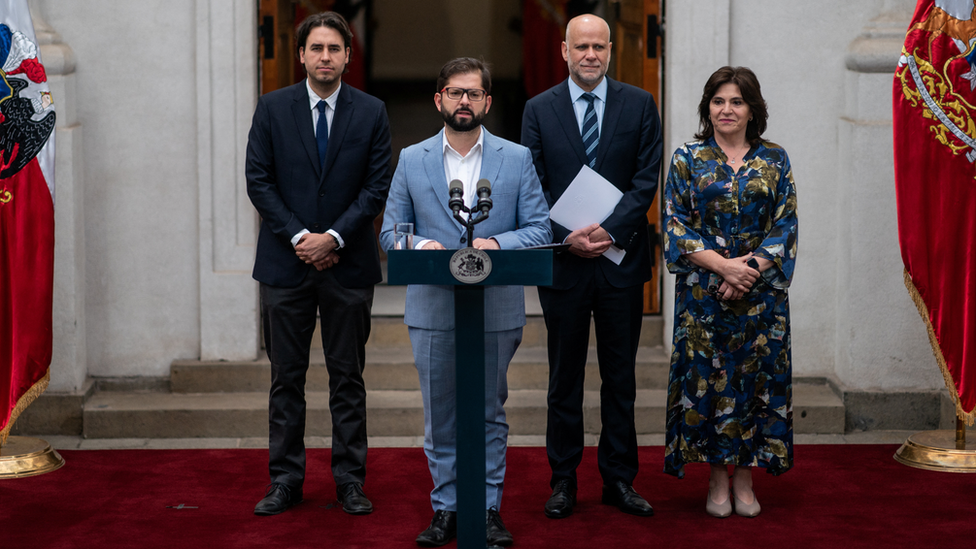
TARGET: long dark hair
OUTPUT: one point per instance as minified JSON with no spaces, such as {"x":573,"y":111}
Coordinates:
{"x":751,"y":94}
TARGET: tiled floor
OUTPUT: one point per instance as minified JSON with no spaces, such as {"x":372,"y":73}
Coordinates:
{"x":79,"y":443}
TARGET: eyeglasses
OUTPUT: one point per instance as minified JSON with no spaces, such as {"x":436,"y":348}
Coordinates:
{"x":455,"y":94}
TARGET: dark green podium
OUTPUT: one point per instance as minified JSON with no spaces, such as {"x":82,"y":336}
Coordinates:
{"x":465,"y":270}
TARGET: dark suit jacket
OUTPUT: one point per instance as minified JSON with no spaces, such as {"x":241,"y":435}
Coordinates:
{"x":291,"y":192}
{"x":629,"y":156}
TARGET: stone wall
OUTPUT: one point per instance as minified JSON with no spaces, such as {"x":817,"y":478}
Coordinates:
{"x":156,"y":235}
{"x":826,"y":71}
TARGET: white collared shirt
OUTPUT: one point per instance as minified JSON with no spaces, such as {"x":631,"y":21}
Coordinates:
{"x":579,"y":104}
{"x":467,"y":169}
{"x":313,"y":101}
{"x":330,"y":101}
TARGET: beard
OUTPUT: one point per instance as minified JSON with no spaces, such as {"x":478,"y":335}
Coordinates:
{"x":460,"y":125}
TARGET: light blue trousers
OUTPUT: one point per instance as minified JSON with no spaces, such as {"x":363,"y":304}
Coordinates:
{"x":433,"y":353}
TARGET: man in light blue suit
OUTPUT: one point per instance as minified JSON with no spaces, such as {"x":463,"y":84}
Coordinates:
{"x":419,"y":194}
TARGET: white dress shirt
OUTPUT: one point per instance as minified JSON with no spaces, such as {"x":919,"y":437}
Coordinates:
{"x":330,"y":102}
{"x":466,"y":169}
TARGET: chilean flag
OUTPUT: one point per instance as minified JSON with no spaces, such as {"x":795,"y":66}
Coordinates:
{"x":26,"y":216}
{"x":935,"y":180}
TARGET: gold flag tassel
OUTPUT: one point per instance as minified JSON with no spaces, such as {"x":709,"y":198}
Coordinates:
{"x":939,"y":450}
{"x":26,"y":456}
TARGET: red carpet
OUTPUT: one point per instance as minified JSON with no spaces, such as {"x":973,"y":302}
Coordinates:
{"x":836,"y":496}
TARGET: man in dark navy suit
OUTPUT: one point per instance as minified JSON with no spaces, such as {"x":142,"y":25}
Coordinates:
{"x":318,"y":172}
{"x":614,"y":129}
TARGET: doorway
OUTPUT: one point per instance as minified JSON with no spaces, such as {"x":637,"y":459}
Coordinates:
{"x":399,"y":45}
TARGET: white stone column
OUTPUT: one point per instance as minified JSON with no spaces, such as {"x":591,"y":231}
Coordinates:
{"x":697,"y":42}
{"x":69,"y":365}
{"x":881,"y":343}
{"x":226,"y":92}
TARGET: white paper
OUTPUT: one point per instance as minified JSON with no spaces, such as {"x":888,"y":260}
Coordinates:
{"x":615,"y":254}
{"x":589,"y":199}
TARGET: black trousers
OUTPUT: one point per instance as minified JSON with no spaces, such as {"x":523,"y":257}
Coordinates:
{"x":617,"y":314}
{"x":289,"y":322}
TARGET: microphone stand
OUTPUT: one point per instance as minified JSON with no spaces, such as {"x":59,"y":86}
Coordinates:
{"x":470,"y":222}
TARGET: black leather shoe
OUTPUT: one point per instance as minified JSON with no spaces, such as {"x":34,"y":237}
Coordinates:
{"x":353,"y":501}
{"x":443,"y":528}
{"x":562,"y":500}
{"x":497,"y":534}
{"x":622,"y":495}
{"x":278,"y":499}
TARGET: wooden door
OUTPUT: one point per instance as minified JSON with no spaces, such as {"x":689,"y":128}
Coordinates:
{"x":276,"y":34}
{"x":277,"y":51}
{"x":637,"y":55}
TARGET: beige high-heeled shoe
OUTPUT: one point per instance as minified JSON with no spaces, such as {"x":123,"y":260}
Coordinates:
{"x":746,"y":510}
{"x":718,"y":510}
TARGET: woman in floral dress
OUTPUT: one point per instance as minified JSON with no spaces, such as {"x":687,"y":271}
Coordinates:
{"x":731,"y":242}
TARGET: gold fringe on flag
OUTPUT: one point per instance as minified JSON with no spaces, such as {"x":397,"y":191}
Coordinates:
{"x":25,"y":401}
{"x":968,"y":417}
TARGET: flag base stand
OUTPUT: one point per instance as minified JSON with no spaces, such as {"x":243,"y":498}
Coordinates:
{"x":945,"y":451}
{"x":27,"y":457}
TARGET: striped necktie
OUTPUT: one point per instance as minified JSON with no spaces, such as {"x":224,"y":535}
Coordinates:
{"x":322,"y":133}
{"x":591,"y":134}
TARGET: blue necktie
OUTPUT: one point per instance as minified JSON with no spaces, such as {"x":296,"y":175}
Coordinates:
{"x":322,"y":133}
{"x":591,"y":134}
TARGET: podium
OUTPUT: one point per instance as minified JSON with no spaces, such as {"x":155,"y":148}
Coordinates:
{"x":469,"y":271}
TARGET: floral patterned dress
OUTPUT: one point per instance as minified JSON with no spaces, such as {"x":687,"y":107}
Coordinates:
{"x":729,"y":390}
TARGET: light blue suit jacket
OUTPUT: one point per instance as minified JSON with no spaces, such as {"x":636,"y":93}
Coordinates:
{"x":519,"y":218}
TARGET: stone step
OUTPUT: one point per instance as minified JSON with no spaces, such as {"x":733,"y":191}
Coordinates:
{"x":391,"y":368}
{"x":107,"y":414}
{"x":391,"y":331}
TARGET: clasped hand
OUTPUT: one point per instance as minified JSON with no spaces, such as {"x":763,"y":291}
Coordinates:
{"x":737,"y":278}
{"x":317,"y":250}
{"x":590,"y":241}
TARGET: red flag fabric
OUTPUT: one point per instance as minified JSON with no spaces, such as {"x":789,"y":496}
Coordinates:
{"x":543,"y":28}
{"x":935,"y":180}
{"x":26,"y":216}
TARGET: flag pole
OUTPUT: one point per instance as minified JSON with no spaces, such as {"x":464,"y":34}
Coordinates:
{"x":27,"y":457}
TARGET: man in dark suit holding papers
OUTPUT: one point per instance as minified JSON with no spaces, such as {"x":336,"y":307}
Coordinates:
{"x":614,"y":129}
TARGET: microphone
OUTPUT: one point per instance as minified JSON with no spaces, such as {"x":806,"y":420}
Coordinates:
{"x":484,"y":191}
{"x":457,"y":191}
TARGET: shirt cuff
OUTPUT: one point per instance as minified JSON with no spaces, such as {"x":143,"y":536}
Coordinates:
{"x":297,"y":237}
{"x":338,"y":238}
